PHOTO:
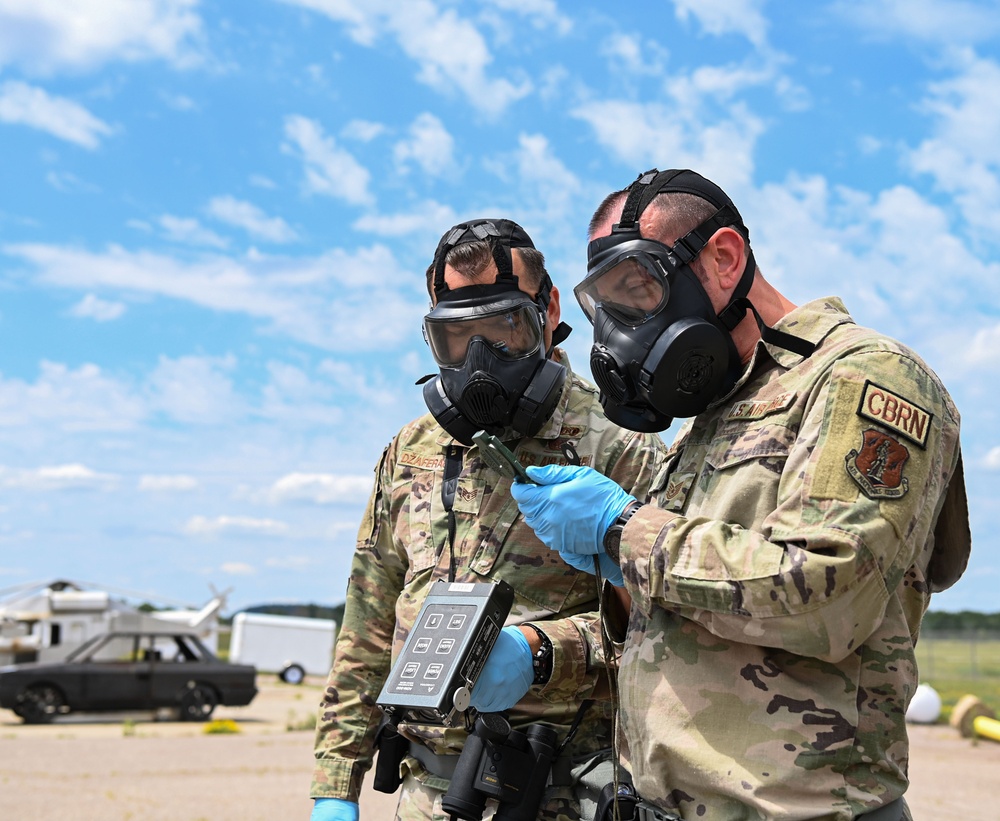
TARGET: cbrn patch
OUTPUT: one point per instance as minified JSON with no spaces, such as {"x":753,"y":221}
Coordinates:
{"x":895,"y":412}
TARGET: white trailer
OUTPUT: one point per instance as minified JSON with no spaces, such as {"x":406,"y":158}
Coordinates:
{"x":290,"y":646}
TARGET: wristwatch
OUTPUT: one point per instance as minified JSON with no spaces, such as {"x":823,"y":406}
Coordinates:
{"x":613,"y":538}
{"x":541,"y":660}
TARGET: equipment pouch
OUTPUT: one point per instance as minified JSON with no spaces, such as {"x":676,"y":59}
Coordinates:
{"x":392,"y":746}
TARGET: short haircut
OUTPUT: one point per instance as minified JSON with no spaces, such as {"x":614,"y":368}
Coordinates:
{"x":670,"y":213}
{"x":471,"y":259}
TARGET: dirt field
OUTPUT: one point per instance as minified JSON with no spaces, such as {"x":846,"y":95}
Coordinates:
{"x":102,"y":768}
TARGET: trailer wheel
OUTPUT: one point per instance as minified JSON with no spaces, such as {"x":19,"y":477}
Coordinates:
{"x":292,"y":674}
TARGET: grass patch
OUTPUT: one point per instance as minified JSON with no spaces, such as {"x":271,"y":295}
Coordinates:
{"x":295,"y":723}
{"x":956,"y":667}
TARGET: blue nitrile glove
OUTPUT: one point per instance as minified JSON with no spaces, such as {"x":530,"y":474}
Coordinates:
{"x":507,"y":674}
{"x":585,"y":562}
{"x":571,"y":508}
{"x":334,"y":809}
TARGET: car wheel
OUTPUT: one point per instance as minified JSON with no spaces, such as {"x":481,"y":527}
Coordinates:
{"x":197,"y":703}
{"x":292,"y":674}
{"x":40,"y":703}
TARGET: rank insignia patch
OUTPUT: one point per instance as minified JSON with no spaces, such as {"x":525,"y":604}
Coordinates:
{"x":674,"y":495}
{"x":878,"y":466}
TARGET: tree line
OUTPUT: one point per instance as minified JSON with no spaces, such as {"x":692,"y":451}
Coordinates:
{"x":962,"y":620}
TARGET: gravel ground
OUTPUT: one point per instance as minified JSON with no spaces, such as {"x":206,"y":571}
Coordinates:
{"x":104,"y":768}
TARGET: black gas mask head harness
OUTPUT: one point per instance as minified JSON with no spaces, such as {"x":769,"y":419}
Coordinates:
{"x":489,"y":343}
{"x":660,"y":349}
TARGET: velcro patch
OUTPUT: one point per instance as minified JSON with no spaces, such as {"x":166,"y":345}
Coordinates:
{"x":758,"y":409}
{"x":892,"y":410}
{"x":878,"y":466}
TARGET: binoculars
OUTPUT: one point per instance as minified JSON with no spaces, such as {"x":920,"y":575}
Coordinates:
{"x":502,"y":763}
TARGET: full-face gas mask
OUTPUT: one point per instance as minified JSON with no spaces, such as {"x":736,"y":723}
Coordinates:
{"x":660,"y":349}
{"x":489,"y":343}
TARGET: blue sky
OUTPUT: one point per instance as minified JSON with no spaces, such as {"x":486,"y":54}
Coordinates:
{"x":215,"y":217}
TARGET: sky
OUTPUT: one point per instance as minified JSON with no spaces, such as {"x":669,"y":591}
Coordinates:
{"x":215,"y":218}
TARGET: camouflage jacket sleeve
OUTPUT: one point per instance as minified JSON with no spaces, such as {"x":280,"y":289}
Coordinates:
{"x":798,"y":529}
{"x":348,"y":715}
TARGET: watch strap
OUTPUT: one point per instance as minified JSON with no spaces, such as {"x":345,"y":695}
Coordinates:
{"x":613,"y":538}
{"x":541,"y":659}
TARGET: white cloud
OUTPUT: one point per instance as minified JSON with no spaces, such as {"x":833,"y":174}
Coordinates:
{"x":547,"y":189}
{"x":189,"y":231}
{"x":237,"y":569}
{"x":362,"y":130}
{"x":195,"y":389}
{"x":260,"y":181}
{"x":304,"y":298}
{"x":430,"y":146}
{"x":719,"y":17}
{"x":938,"y":22}
{"x":963,"y":155}
{"x":429,"y":217}
{"x":92,"y":307}
{"x":861,"y":247}
{"x":543,"y":13}
{"x":292,"y":562}
{"x":626,"y":53}
{"x":689,"y":92}
{"x":178,"y":102}
{"x":321,"y":488}
{"x":330,"y":170}
{"x":656,"y":134}
{"x":357,"y":380}
{"x":431,"y":37}
{"x":251,"y":219}
{"x":152,"y":483}
{"x":50,"y":35}
{"x":983,"y":351}
{"x":69,"y":183}
{"x":992,"y":460}
{"x":22,"y":104}
{"x":244,"y":525}
{"x":295,"y":398}
{"x":61,"y":398}
{"x":56,"y":478}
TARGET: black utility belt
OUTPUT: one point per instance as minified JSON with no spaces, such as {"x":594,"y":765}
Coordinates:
{"x":443,"y":766}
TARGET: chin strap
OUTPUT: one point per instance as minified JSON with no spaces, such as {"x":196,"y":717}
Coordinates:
{"x":733,"y":314}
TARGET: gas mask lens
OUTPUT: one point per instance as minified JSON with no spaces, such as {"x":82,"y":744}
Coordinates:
{"x":633,"y":289}
{"x":509,"y":331}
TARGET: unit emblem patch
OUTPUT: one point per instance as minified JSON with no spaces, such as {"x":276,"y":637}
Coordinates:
{"x":878,"y":466}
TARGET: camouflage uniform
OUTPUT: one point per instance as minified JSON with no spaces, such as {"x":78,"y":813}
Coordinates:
{"x":403,"y":549}
{"x":779,"y":581}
